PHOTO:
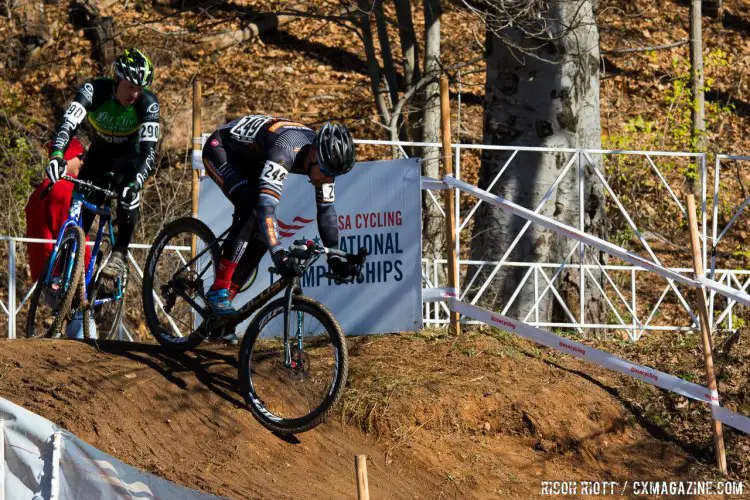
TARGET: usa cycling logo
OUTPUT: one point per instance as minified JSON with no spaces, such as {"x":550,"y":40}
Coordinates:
{"x":289,"y":230}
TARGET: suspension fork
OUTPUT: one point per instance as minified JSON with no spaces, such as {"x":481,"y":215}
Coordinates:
{"x":292,"y":290}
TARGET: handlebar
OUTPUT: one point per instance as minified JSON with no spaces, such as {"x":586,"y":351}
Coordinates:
{"x":86,"y":184}
{"x":307,"y":251}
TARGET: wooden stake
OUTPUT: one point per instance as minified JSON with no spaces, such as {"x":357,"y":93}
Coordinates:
{"x":197,"y":98}
{"x":450,"y":214}
{"x":363,"y":490}
{"x":721,"y":459}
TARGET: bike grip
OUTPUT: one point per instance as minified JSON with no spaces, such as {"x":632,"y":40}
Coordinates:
{"x":337,"y":252}
{"x":299,"y":250}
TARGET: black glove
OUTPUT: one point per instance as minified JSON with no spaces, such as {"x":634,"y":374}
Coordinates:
{"x":286,"y":265}
{"x":130,"y":197}
{"x":55,"y":168}
{"x":340,"y":266}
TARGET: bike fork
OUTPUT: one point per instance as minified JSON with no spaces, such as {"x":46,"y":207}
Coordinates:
{"x":290,"y":292}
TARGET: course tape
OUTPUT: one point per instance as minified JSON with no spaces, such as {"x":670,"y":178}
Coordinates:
{"x":578,"y":235}
{"x":438,"y":294}
{"x":601,"y":358}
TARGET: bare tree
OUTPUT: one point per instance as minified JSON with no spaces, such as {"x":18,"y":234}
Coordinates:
{"x":542,"y":89}
{"x":698,"y":107}
{"x":433,"y":224}
{"x":409,"y":107}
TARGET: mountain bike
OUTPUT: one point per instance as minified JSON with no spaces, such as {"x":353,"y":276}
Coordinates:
{"x":69,"y":285}
{"x":293,"y":361}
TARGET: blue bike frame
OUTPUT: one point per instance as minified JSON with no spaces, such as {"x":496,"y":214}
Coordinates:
{"x":75,"y":218}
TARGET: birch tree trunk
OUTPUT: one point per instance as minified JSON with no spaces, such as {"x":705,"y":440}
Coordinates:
{"x":433,"y":223}
{"x":697,"y":110}
{"x":531,"y":102}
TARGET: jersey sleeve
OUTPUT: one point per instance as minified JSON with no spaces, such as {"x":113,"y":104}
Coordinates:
{"x":73,"y":117}
{"x":148,"y":136}
{"x":270,"y":186}
{"x":325,"y":196}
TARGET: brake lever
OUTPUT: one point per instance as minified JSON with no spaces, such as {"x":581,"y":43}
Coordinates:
{"x":338,"y":280}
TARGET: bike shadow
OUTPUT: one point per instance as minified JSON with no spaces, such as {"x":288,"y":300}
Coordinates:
{"x":208,"y":366}
{"x":205,"y":364}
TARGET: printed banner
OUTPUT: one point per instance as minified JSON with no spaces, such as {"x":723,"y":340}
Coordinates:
{"x":379,"y":208}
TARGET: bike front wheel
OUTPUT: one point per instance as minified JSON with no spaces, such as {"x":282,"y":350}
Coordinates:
{"x":175,"y":284}
{"x":291,"y":386}
{"x":52,"y":299}
{"x":106,"y":304}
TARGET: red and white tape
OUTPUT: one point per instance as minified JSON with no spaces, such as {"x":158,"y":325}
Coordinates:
{"x":601,"y":358}
{"x":438,"y":294}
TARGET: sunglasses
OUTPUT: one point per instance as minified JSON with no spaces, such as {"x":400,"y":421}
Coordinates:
{"x":324,"y":170}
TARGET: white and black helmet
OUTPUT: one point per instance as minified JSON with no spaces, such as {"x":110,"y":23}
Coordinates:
{"x":135,"y":67}
{"x":335,"y":148}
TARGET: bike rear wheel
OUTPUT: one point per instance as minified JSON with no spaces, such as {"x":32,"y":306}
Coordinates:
{"x":291,"y":387}
{"x":51,"y":302}
{"x":173,"y":320}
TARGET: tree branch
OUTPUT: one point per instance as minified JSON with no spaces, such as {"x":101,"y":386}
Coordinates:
{"x":644,"y":49}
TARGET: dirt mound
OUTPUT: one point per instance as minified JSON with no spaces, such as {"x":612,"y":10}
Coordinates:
{"x":179,"y":416}
{"x":439,"y":417}
{"x":496,"y":416}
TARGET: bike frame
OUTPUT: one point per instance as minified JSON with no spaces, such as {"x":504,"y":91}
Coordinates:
{"x":290,"y":284}
{"x":75,"y":218}
{"x":245,"y":311}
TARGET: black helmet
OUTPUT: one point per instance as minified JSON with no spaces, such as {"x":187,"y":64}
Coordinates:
{"x":135,"y":67}
{"x":335,"y":148}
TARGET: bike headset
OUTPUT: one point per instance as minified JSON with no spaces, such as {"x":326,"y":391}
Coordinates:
{"x":335,"y":148}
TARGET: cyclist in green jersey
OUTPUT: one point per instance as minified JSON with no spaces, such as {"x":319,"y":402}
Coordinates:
{"x":124,"y":116}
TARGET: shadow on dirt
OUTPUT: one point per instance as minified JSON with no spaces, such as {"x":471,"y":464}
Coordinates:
{"x":208,"y":366}
{"x":654,"y":430}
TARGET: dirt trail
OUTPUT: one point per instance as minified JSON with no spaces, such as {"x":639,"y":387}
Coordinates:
{"x":463,"y":426}
{"x":179,"y":416}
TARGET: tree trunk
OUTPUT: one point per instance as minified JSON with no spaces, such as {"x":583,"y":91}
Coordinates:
{"x":433,"y":223}
{"x":266,"y":23}
{"x":409,"y":59}
{"x":553,"y":103}
{"x":389,"y":69}
{"x":697,"y":110}
{"x":373,"y":68}
{"x":99,"y":29}
{"x":35,"y":29}
{"x":409,"y":48}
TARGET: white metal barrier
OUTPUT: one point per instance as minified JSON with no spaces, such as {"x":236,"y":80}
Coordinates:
{"x":729,"y":278}
{"x":623,"y":298}
{"x":12,"y":308}
{"x":568,"y":346}
{"x":629,"y":307}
